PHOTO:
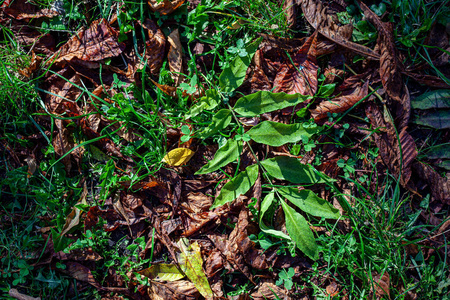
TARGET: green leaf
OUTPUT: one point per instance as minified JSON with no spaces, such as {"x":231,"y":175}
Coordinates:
{"x":439,"y":151}
{"x":219,"y":121}
{"x":233,"y":75}
{"x":226,"y":154}
{"x":264,"y":101}
{"x":290,"y":169}
{"x":162,"y":272}
{"x":434,"y":99}
{"x":309,"y":202}
{"x":208,"y":102}
{"x":237,"y":186}
{"x":277,"y":134}
{"x":265,"y":205}
{"x":299,"y":231}
{"x":190,"y":262}
{"x":437,"y":119}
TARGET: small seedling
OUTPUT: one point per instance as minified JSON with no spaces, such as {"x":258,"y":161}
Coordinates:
{"x":285,"y":277}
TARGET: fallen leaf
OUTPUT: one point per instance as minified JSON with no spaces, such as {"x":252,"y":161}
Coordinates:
{"x":270,"y":291}
{"x":99,"y":41}
{"x":162,"y":272}
{"x":165,"y":7}
{"x":24,"y":10}
{"x":428,"y":80}
{"x":178,"y":157}
{"x":175,"y":56}
{"x":180,"y":290}
{"x":300,"y":74}
{"x":439,"y":186}
{"x":190,"y":262}
{"x":382,"y":285}
{"x":342,"y":103}
{"x":397,"y":157}
{"x":73,"y":219}
{"x":319,"y":17}
{"x":81,"y":273}
{"x":155,"y":46}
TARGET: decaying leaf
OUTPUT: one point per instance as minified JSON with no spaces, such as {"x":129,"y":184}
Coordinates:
{"x":99,"y":41}
{"x":299,"y":75}
{"x":270,"y":291}
{"x":154,"y":47}
{"x":178,"y":156}
{"x":319,"y":17}
{"x":191,"y":263}
{"x":81,"y":273}
{"x":175,"y":56}
{"x":439,"y":186}
{"x":382,"y":285}
{"x":341,"y":103}
{"x":73,"y":219}
{"x":397,"y":157}
{"x":165,"y":7}
{"x":181,"y":289}
{"x":24,"y":10}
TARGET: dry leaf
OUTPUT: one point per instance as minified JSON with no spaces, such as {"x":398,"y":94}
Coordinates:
{"x":155,"y":46}
{"x":175,"y":56}
{"x":322,"y":20}
{"x":439,"y":186}
{"x":301,"y":77}
{"x":270,"y":291}
{"x":98,"y":42}
{"x":164,"y":7}
{"x":341,"y":103}
{"x":382,"y":285}
{"x":180,"y":290}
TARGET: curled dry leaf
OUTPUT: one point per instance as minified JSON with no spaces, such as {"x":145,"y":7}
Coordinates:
{"x":322,"y":20}
{"x":98,"y":42}
{"x":81,"y":273}
{"x":62,"y":143}
{"x":62,"y":93}
{"x":428,"y":80}
{"x":397,"y":157}
{"x":175,"y":56}
{"x":289,"y":10}
{"x":164,"y":7}
{"x":29,"y":37}
{"x":24,"y":10}
{"x":390,"y":68}
{"x":181,"y":289}
{"x":299,"y":75}
{"x":341,"y":103}
{"x":155,"y":46}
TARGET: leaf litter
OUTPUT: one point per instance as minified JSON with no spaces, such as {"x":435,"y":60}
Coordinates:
{"x":203,"y":220}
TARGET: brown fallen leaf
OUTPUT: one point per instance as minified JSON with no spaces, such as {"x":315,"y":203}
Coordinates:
{"x":15,"y":294}
{"x":382,"y":285}
{"x":24,"y":10}
{"x":397,"y":158}
{"x":341,"y":103}
{"x":81,"y":273}
{"x":63,"y":143}
{"x":270,"y":291}
{"x":175,"y":56}
{"x":99,"y":41}
{"x":299,"y":75}
{"x":155,"y":46}
{"x":182,"y":290}
{"x":439,"y":186}
{"x":290,"y":12}
{"x":165,"y":7}
{"x":318,"y":16}
{"x":33,"y":39}
{"x":428,"y":80}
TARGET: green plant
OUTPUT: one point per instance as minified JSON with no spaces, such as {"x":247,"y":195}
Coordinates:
{"x":285,"y":278}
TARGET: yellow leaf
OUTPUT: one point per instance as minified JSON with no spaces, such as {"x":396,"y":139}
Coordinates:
{"x":178,"y":156}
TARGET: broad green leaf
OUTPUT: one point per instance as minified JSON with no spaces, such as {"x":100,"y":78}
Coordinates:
{"x":265,"y":205}
{"x":233,"y":75}
{"x":309,"y":202}
{"x":190,"y":262}
{"x":439,"y":119}
{"x":98,"y":154}
{"x":219,"y":121}
{"x":277,"y":134}
{"x":178,"y":156}
{"x":226,"y":154}
{"x":207,"y":102}
{"x":445,"y":164}
{"x":434,"y":99}
{"x":299,"y":231}
{"x":237,"y":186}
{"x":264,"y":101}
{"x":162,"y":272}
{"x":439,"y":151}
{"x":290,"y":169}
